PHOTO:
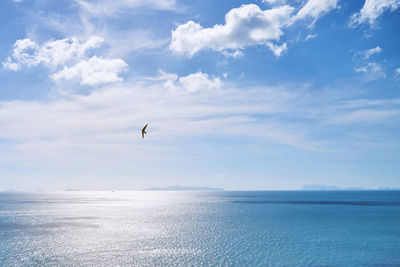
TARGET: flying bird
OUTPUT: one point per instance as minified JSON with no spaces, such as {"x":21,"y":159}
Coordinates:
{"x":144,"y":130}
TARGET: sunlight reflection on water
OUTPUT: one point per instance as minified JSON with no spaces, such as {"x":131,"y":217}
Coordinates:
{"x":161,"y":228}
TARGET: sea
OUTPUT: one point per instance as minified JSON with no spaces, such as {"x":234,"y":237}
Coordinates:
{"x":224,"y":228}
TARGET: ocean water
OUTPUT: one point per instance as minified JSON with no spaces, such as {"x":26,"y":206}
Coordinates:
{"x":145,"y":228}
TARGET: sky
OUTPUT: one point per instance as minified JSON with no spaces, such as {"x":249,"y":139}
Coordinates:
{"x":243,"y":95}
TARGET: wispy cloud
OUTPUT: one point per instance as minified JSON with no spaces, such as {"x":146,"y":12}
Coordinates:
{"x":310,"y":36}
{"x":316,"y":8}
{"x":369,"y":116}
{"x":196,"y":105}
{"x":372,"y":51}
{"x":368,"y":53}
{"x":108,"y":8}
{"x":363,"y":103}
{"x":372,"y":71}
{"x":190,"y":106}
{"x":371,"y":10}
{"x":274,"y":2}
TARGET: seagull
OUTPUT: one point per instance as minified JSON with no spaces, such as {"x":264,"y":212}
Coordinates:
{"x":144,"y":130}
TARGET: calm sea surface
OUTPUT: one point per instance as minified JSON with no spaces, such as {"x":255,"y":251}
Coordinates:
{"x":360,"y":228}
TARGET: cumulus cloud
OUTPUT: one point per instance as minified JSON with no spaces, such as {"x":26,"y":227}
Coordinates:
{"x":199,"y":81}
{"x":8,"y":64}
{"x":371,"y":10}
{"x":67,"y":59}
{"x":93,"y":71}
{"x":244,"y":26}
{"x":372,"y":71}
{"x":28,"y":53}
{"x":316,"y":8}
{"x":191,"y":83}
{"x":398,"y":70}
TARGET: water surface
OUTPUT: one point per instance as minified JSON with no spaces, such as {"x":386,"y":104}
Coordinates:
{"x":145,"y":228}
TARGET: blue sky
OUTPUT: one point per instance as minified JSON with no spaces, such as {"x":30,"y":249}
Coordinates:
{"x":258,"y":95}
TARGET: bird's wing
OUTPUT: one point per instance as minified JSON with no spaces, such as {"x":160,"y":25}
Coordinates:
{"x":144,"y":128}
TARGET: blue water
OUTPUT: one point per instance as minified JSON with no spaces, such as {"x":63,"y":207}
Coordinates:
{"x":360,"y":228}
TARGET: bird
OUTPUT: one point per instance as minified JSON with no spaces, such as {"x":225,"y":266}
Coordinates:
{"x":144,"y":130}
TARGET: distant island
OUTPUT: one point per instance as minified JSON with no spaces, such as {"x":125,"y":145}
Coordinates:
{"x":183,"y":188}
{"x":336,"y":188}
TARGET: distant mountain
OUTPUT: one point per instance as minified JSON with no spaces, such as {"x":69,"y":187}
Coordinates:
{"x":336,"y":188}
{"x":183,"y":188}
{"x":9,"y":191}
{"x":388,"y":188}
{"x":312,"y":187}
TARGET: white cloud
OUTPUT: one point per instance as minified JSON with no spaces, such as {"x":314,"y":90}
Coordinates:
{"x":105,"y":124}
{"x":191,"y":83}
{"x":164,"y":76}
{"x":54,"y":53}
{"x":372,"y":71}
{"x":363,"y":103}
{"x":398,"y":70}
{"x":367,"y":116}
{"x":24,"y":52}
{"x":274,"y":2}
{"x":234,"y":54}
{"x":17,"y":1}
{"x":310,"y":36}
{"x":316,"y":8}
{"x":110,"y":117}
{"x":113,"y":8}
{"x":277,"y":49}
{"x":8,"y":64}
{"x":368,"y":53}
{"x":199,"y":81}
{"x":69,"y":53}
{"x":93,"y":71}
{"x":244,"y":26}
{"x":121,"y":43}
{"x":372,"y":9}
